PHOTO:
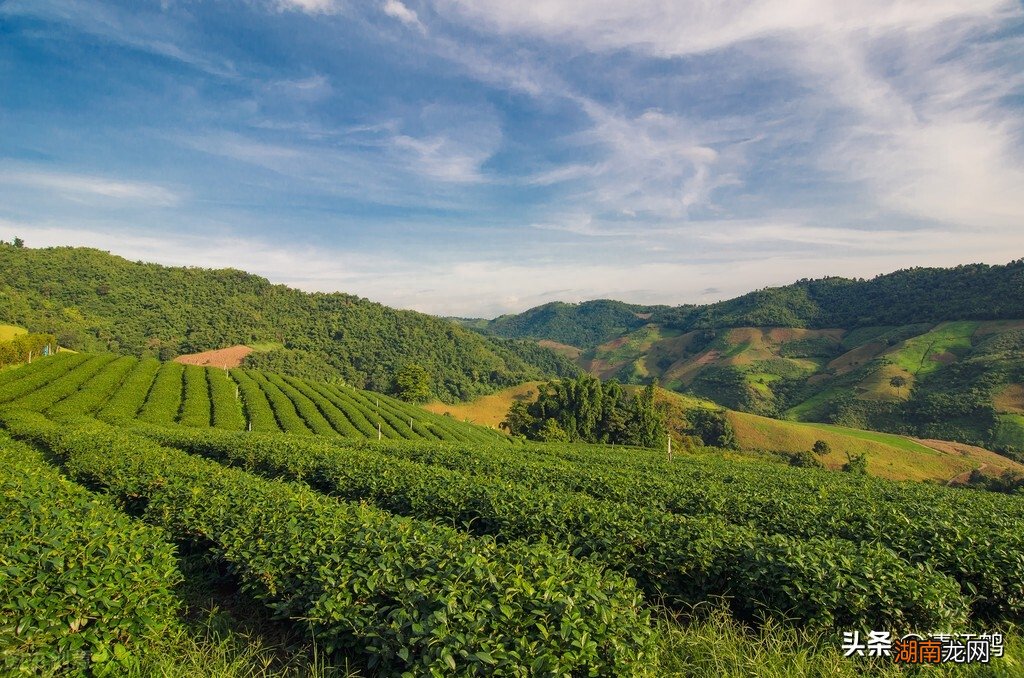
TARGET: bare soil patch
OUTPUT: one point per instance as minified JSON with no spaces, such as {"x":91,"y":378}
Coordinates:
{"x":222,"y":357}
{"x":1010,"y":399}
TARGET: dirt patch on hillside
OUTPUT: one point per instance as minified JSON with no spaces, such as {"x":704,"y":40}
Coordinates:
{"x":223,"y":357}
{"x":570,"y":352}
{"x":996,"y":326}
{"x":1010,"y":399}
{"x":945,"y":357}
{"x":685,"y":370}
{"x":851,"y":360}
{"x":614,"y":344}
{"x":782,"y":335}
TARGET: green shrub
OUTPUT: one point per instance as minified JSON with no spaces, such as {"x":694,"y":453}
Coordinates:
{"x":412,"y":596}
{"x":81,"y":585}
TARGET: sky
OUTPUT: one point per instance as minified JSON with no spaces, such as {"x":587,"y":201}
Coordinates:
{"x":480,"y":157}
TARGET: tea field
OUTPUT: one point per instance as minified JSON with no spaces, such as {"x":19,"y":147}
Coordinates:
{"x":346,"y":533}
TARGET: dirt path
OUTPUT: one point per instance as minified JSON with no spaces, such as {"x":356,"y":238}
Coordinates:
{"x":965,"y":476}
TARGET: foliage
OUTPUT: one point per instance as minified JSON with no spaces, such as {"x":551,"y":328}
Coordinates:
{"x":584,"y":409}
{"x":410,"y":595}
{"x":412,"y":383}
{"x":584,"y":325}
{"x":23,"y":347}
{"x":94,"y":301}
{"x":805,"y":459}
{"x":821,"y":448}
{"x":856,"y":464}
{"x":712,"y":427}
{"x":81,"y":585}
{"x":682,"y":560}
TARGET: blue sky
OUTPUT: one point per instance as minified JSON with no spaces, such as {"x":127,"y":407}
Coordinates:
{"x":477,"y":157}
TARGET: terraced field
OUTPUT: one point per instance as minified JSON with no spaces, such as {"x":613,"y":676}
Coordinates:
{"x":172,"y":393}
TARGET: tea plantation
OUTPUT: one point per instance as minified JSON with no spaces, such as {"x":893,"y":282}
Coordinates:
{"x":396,"y":542}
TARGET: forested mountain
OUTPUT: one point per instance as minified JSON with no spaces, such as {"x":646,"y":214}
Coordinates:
{"x":583,"y":325}
{"x":932,"y":352}
{"x":94,"y":301}
{"x":915,"y":295}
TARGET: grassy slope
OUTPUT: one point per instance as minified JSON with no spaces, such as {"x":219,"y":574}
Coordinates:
{"x":8,"y":332}
{"x":487,"y":410}
{"x":889,"y":456}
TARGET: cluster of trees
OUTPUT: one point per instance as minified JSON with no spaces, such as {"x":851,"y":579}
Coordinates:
{"x":24,"y":347}
{"x":586,"y":410}
{"x":94,"y":301}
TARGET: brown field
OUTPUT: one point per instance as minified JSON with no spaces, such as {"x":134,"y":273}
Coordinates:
{"x":990,"y":462}
{"x":570,"y":352}
{"x":994,"y":326}
{"x":857,"y":357}
{"x":487,"y":410}
{"x":223,"y":357}
{"x":685,"y":370}
{"x":1010,"y":399}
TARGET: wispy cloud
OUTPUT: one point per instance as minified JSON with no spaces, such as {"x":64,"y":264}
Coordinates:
{"x":397,"y":10}
{"x":84,"y":186}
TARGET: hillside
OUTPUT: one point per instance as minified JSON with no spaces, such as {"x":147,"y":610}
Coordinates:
{"x":934,"y":353}
{"x":125,"y":390}
{"x":889,"y":456}
{"x":94,"y":301}
{"x":917,"y":295}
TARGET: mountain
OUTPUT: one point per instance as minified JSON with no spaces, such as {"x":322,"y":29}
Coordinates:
{"x":931,"y":352}
{"x":95,"y":301}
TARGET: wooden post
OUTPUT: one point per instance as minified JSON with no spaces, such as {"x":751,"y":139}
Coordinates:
{"x":30,"y":357}
{"x":250,"y":425}
{"x":378,"y":431}
{"x":670,"y":447}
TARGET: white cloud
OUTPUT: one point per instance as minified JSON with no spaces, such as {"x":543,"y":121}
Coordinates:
{"x":84,"y":186}
{"x":911,"y":104}
{"x":310,"y":6}
{"x":482,"y":284}
{"x":694,"y":26}
{"x":396,"y":10}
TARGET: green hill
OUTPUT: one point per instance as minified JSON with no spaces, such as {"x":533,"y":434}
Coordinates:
{"x":827,"y":350}
{"x":94,"y":301}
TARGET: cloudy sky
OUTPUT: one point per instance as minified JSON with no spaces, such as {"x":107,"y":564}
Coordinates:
{"x":476,"y":157}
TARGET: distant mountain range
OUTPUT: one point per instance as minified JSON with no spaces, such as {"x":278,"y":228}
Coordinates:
{"x":932,"y":352}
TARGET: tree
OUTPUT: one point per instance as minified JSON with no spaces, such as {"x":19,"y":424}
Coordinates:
{"x":551,"y":432}
{"x":18,"y":242}
{"x":898,"y":382}
{"x":805,"y":459}
{"x":857,"y":464}
{"x":518,"y":421}
{"x":412,"y":383}
{"x":821,"y":448}
{"x":712,"y":427}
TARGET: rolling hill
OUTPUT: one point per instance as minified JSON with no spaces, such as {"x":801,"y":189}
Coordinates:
{"x":94,"y":301}
{"x":889,"y":455}
{"x":933,"y":353}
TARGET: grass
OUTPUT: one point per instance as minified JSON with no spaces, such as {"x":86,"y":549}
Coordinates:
{"x":1010,"y":431}
{"x":889,"y":456}
{"x":8,"y":332}
{"x":488,"y":410}
{"x":718,"y":646}
{"x":920,"y":355}
{"x":266,"y":346}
